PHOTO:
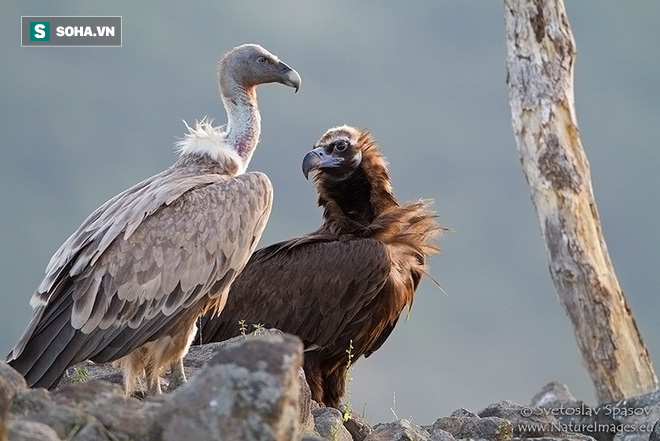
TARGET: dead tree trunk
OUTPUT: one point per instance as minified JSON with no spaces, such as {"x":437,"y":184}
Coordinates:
{"x":541,"y":54}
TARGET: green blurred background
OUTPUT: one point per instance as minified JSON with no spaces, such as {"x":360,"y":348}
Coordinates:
{"x":428,"y":78}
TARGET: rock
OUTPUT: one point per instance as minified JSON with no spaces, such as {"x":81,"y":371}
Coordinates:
{"x":39,"y":405}
{"x":305,"y":404}
{"x":527,"y":422}
{"x":637,"y":415}
{"x":554,"y":395}
{"x":655,"y":433}
{"x":92,"y":432}
{"x":462,"y":413}
{"x":124,"y":417}
{"x":198,"y":356}
{"x":26,"y":430}
{"x":87,"y":371}
{"x":474,"y":427}
{"x":329,"y":424}
{"x":566,"y":437}
{"x":10,"y":382}
{"x":573,"y":414}
{"x":401,"y":430}
{"x":357,"y":426}
{"x":441,"y":435}
{"x":248,"y":390}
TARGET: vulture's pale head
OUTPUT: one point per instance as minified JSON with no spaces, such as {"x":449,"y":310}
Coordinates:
{"x":250,"y":65}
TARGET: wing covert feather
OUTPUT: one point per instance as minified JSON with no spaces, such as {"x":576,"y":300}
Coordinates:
{"x":310,"y":290}
{"x":173,"y":257}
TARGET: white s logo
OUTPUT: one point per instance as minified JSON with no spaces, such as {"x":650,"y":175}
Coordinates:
{"x":39,"y":31}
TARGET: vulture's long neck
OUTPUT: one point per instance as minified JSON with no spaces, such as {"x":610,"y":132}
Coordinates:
{"x":244,"y":119}
{"x":357,"y":201}
{"x":231,"y":149}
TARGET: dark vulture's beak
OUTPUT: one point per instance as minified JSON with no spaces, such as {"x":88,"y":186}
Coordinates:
{"x":289,"y":77}
{"x":319,"y":159}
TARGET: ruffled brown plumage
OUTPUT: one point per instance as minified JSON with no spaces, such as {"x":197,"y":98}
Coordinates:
{"x":347,"y":283}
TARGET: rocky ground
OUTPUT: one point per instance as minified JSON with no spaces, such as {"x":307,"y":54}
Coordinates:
{"x":253,"y":388}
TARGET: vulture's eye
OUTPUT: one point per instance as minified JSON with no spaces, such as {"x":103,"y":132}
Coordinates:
{"x":340,"y":146}
{"x":262,"y":60}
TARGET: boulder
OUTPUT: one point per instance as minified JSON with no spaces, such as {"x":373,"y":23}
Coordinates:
{"x":357,"y":426}
{"x":39,"y":405}
{"x":461,"y":413}
{"x":555,"y":395}
{"x":473,"y":427}
{"x":11,"y":382}
{"x":329,"y":424}
{"x":440,"y":435}
{"x":249,"y":390}
{"x":655,"y":432}
{"x":573,"y":414}
{"x":27,"y":430}
{"x":401,"y":430}
{"x":125,"y":417}
{"x":305,"y":404}
{"x":635,"y":417}
{"x":526,"y":421}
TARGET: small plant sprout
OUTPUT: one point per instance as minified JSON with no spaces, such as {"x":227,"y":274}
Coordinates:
{"x":349,"y":378}
{"x":243,"y":328}
{"x":78,"y":375}
{"x":393,"y":408}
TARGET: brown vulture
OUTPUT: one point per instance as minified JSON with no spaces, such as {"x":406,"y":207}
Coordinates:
{"x":346,"y":283}
{"x":145,"y":265}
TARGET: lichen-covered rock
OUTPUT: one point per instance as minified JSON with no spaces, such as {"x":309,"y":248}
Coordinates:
{"x":248,"y":391}
{"x":526,"y":421}
{"x":440,"y":435}
{"x":401,"y":430}
{"x":88,"y":371}
{"x":357,"y":426}
{"x":474,"y":427}
{"x":39,"y":405}
{"x":27,"y":430}
{"x":329,"y":424}
{"x":94,"y":432}
{"x":560,"y":437}
{"x":312,"y":437}
{"x":573,"y":414}
{"x":305,"y":404}
{"x":554,"y":395}
{"x":124,"y":417}
{"x":462,"y":413}
{"x":10,"y":382}
{"x":655,"y":433}
{"x":637,"y":414}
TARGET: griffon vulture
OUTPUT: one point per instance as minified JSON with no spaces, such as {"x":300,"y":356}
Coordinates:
{"x":346,"y":284}
{"x":146,"y":264}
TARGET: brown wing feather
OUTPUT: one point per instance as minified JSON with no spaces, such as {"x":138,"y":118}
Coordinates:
{"x":134,"y":288}
{"x":311,"y":289}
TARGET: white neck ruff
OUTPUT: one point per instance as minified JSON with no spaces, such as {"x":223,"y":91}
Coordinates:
{"x":204,"y":139}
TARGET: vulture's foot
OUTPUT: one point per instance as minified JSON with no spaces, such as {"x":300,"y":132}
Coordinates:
{"x":178,"y":376}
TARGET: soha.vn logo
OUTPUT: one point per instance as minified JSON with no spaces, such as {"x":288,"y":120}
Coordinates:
{"x":39,"y":31}
{"x":85,"y":31}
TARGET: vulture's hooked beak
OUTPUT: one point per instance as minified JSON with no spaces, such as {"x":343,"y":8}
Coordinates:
{"x":319,"y":159}
{"x":289,"y":77}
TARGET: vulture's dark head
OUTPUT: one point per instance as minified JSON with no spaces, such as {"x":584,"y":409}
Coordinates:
{"x":336,"y":156}
{"x":350,"y":173}
{"x":250,"y":65}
